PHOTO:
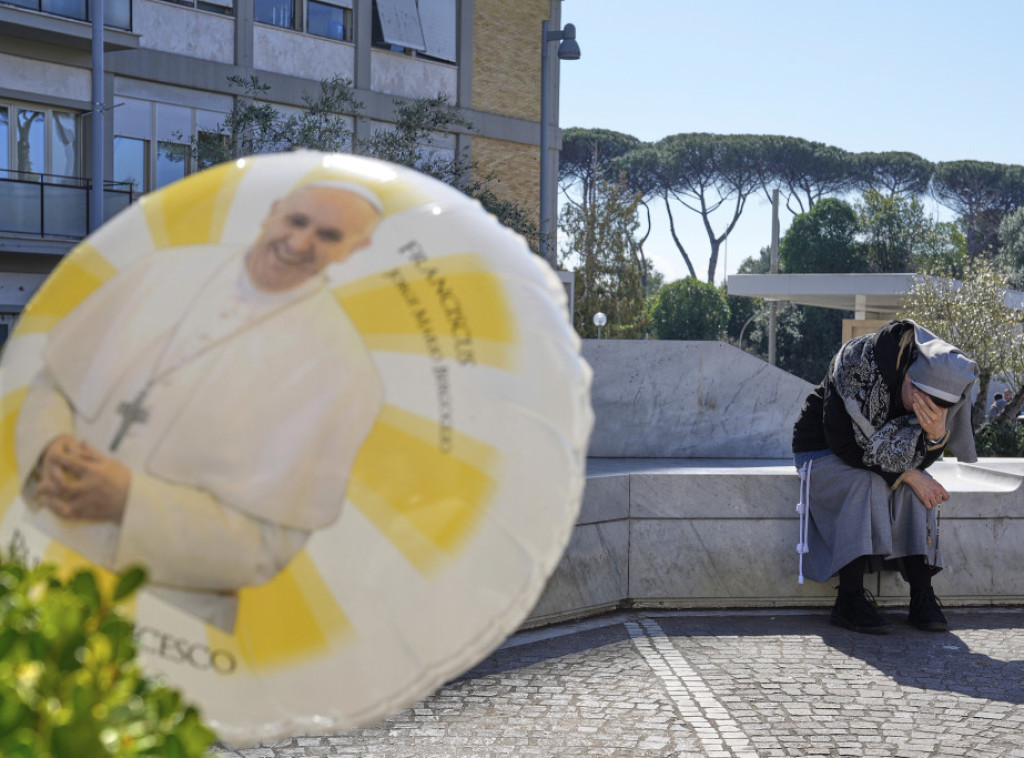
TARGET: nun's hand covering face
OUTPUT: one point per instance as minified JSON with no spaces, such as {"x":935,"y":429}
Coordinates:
{"x":931,"y":416}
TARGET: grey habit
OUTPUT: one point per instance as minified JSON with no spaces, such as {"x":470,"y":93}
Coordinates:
{"x":853,"y":512}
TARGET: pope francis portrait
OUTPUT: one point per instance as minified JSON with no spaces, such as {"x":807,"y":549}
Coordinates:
{"x":199,"y":414}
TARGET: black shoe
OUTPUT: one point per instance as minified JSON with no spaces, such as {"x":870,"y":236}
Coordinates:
{"x":857,"y":611}
{"x":926,"y":612}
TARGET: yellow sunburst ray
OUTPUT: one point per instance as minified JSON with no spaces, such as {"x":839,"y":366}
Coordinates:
{"x":79,"y":275}
{"x":10,"y":407}
{"x":193,"y":211}
{"x":423,"y":487}
{"x":450,"y":307}
{"x":293,"y":616}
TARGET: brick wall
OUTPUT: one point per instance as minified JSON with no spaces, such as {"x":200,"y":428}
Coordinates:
{"x":506,"y":56}
{"x":515,"y":168}
{"x":506,"y":80}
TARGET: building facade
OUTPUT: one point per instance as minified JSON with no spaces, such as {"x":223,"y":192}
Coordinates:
{"x":166,"y":85}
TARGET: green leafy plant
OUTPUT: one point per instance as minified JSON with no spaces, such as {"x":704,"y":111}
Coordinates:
{"x":1000,"y":440}
{"x":689,"y":309}
{"x":69,"y":683}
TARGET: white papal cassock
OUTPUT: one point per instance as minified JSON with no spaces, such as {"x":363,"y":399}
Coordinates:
{"x":255,"y":406}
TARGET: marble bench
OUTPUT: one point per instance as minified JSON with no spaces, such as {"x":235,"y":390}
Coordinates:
{"x":722,"y":533}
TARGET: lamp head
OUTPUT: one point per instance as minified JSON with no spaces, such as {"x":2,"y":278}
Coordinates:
{"x":568,"y":49}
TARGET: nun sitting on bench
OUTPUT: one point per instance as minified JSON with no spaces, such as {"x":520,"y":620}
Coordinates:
{"x":889,"y":405}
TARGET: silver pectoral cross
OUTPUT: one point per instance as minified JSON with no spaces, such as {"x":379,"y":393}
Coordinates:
{"x":131,"y":413}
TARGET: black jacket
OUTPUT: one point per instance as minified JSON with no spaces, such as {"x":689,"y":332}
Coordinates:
{"x":824,"y":423}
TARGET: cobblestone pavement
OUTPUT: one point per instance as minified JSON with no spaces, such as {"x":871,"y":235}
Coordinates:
{"x":731,"y":683}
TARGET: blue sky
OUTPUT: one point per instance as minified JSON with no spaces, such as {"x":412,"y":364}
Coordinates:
{"x":938,"y":78}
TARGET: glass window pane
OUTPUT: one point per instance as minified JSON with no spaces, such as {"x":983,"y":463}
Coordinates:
{"x":209,"y":120}
{"x":66,"y":211}
{"x":438,"y":20}
{"x":21,"y":207}
{"x":118,"y":14}
{"x":276,"y":12}
{"x":64,"y":144}
{"x":216,"y":7}
{"x":130,"y":162}
{"x":115,"y":201}
{"x":212,"y":148}
{"x":171,"y":163}
{"x":133,"y":118}
{"x":173,"y":123}
{"x":5,"y":136}
{"x":69,"y":8}
{"x":400,"y":23}
{"x":328,"y":21}
{"x":30,"y":141}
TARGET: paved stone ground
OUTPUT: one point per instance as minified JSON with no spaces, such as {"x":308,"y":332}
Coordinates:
{"x":738,"y":683}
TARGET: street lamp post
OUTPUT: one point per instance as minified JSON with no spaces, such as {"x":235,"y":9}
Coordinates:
{"x":98,"y":98}
{"x":568,"y":50}
{"x":745,"y":325}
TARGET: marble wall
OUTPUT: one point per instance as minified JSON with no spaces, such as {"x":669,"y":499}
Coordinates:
{"x":173,"y":29}
{"x":723,"y":534}
{"x":397,"y":74}
{"x":669,"y":399}
{"x":690,"y":499}
{"x":285,"y":51}
{"x":57,"y":80}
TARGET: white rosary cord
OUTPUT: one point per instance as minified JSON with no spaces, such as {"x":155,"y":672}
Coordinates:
{"x":803,"y":508}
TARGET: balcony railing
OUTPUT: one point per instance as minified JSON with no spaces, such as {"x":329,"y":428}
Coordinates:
{"x":52,"y":206}
{"x":117,"y":14}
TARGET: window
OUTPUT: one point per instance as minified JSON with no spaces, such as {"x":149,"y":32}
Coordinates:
{"x":329,"y":19}
{"x":396,"y":25}
{"x":276,"y":12}
{"x":130,"y":162}
{"x":38,"y":141}
{"x":158,"y":143}
{"x":64,"y":144}
{"x":424,"y":28}
{"x":212,"y":148}
{"x":6,"y":326}
{"x":172,"y":162}
{"x":116,"y":13}
{"x":323,"y":18}
{"x":7,"y":321}
{"x":437,"y":17}
{"x":30,"y":142}
{"x":69,"y":8}
{"x":5,"y":140}
{"x":225,"y":7}
{"x":42,"y":191}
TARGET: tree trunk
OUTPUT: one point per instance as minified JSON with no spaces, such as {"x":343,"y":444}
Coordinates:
{"x":679,"y":245}
{"x":1012,"y":409}
{"x":979,"y":409}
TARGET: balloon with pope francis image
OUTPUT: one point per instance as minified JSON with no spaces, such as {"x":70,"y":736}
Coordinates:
{"x":332,"y":406}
